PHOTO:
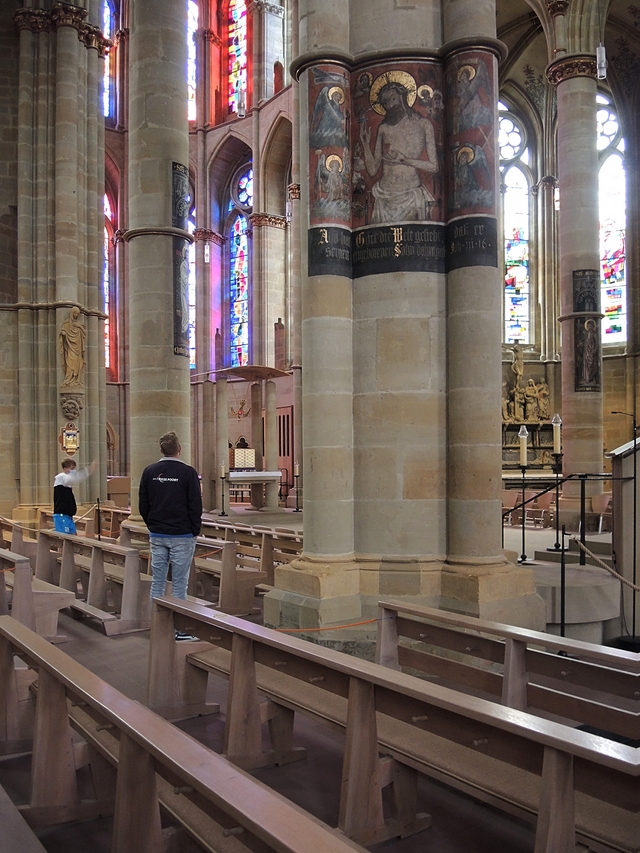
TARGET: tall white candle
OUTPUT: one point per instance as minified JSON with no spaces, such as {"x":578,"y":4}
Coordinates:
{"x":296,"y":470}
{"x":523,"y":435}
{"x":223,"y":471}
{"x":557,"y":423}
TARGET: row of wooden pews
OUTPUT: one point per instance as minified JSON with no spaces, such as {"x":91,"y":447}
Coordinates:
{"x":160,"y":785}
{"x":34,"y":602}
{"x":572,"y":783}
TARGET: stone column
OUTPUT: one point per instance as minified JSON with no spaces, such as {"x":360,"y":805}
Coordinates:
{"x":257,"y":499}
{"x":271,"y":443}
{"x":322,"y":588}
{"x":157,"y":236}
{"x":222,"y":436}
{"x":582,"y":429}
{"x":477,"y":578}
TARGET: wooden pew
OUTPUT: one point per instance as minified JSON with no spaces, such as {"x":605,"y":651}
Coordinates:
{"x":13,"y":539}
{"x":143,"y":768}
{"x":84,"y":523}
{"x":17,"y":836}
{"x":586,"y":683}
{"x":107,"y":522}
{"x":100,"y":567}
{"x":235,"y":568}
{"x":34,"y":603}
{"x":568,"y":781}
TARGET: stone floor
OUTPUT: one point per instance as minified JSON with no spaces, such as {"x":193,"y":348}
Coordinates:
{"x":460,"y":823}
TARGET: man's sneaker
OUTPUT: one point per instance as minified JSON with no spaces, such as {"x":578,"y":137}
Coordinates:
{"x":182,"y":635}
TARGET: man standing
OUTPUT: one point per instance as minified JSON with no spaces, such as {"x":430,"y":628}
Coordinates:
{"x":171,"y":505}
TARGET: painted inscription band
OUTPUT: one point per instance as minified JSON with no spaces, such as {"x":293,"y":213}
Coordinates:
{"x":472,"y":241}
{"x":416,"y":247}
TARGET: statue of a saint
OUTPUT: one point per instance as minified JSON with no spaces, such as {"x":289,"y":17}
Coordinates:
{"x":72,"y":339}
{"x":531,"y":401}
{"x":544,"y":400}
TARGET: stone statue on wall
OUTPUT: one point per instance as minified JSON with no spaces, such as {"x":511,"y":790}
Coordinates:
{"x":544,"y":400}
{"x":531,"y":401}
{"x":72,"y":340}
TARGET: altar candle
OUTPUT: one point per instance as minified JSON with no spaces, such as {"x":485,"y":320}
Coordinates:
{"x":557,"y":423}
{"x":223,"y":472}
{"x":523,"y":434}
{"x":296,"y":470}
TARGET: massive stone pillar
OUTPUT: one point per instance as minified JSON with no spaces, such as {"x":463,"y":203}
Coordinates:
{"x":582,"y":431}
{"x":56,"y":326}
{"x":477,"y":578}
{"x":401,"y":428}
{"x":157,"y":235}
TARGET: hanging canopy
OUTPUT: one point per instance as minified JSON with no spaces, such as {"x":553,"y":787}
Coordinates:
{"x":251,"y":372}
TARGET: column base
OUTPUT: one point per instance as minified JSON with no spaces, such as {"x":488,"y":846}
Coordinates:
{"x":493,"y":590}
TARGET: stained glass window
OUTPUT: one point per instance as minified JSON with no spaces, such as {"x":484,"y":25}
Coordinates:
{"x":107,"y":29}
{"x":612,"y":224}
{"x":239,"y":291}
{"x":237,"y":44}
{"x":244,"y":189}
{"x":515,"y":188}
{"x":192,"y":26}
{"x":106,"y":279}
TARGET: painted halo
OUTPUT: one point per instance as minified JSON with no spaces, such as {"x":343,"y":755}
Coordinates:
{"x":425,"y":91}
{"x":402,"y":77}
{"x":466,"y":149}
{"x":471,"y":71}
{"x":333,"y":158}
{"x":336,"y":89}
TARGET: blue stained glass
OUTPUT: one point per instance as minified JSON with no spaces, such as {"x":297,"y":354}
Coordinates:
{"x":239,"y":292}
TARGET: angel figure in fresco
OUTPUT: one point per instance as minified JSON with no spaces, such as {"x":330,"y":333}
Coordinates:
{"x":474,"y":97}
{"x":403,"y":137}
{"x":329,"y":120}
{"x":471,"y":177}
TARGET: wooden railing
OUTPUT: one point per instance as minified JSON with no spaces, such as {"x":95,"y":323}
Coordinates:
{"x":140,"y":765}
{"x":569,"y":779}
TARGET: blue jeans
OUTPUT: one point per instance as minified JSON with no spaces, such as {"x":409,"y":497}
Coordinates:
{"x":177,"y":550}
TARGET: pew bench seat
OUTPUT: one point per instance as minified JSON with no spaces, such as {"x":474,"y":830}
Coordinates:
{"x":17,"y":835}
{"x":466,"y":769}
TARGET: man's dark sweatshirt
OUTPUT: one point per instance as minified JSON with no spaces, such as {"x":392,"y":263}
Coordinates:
{"x":169,"y":499}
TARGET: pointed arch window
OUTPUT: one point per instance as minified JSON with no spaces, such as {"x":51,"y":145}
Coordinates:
{"x":612,"y":213}
{"x":514,"y":162}
{"x":192,"y":26}
{"x":108,"y":88}
{"x":237,"y":55}
{"x":240,"y":204}
{"x":108,"y":282}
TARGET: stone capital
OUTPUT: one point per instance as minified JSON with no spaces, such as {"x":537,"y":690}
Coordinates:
{"x":261,"y":6}
{"x":268,"y":219}
{"x":206,"y":235}
{"x":118,"y":236}
{"x":294,"y":191}
{"x":35,"y":20}
{"x":557,"y":7}
{"x":122,"y":35}
{"x":571,"y":66}
{"x":64,"y":15}
{"x":209,"y":35}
